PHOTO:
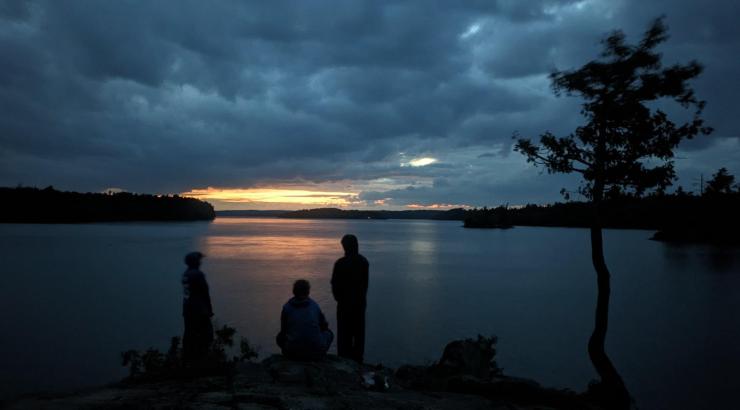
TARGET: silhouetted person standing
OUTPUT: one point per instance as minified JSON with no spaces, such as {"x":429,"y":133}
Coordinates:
{"x":304,"y":331}
{"x":196,"y":310}
{"x":349,"y":286}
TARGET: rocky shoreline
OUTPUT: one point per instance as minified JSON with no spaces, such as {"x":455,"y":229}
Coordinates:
{"x":464,"y":378}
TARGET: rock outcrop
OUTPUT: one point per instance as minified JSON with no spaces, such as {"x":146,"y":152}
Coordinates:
{"x":465,"y":378}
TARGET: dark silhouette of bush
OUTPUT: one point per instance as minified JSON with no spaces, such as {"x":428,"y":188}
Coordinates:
{"x":33,"y":205}
{"x":152,"y":365}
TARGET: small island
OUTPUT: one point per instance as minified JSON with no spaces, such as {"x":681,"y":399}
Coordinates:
{"x":48,"y":205}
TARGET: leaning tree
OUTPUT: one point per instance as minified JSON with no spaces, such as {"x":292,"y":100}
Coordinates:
{"x":625,"y":145}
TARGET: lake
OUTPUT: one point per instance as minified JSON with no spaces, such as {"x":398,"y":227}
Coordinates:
{"x":74,"y":296}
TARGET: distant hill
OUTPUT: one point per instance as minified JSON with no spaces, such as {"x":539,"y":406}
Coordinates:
{"x":33,"y":205}
{"x":712,"y":218}
{"x":335,"y":213}
{"x":250,"y":213}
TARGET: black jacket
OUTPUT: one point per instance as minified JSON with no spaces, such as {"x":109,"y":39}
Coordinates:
{"x":349,"y":280}
{"x":196,"y":300}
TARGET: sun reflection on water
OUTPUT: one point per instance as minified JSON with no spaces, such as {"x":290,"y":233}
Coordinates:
{"x":252,"y":263}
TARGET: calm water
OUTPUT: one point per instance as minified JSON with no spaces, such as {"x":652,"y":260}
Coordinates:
{"x":74,"y":296}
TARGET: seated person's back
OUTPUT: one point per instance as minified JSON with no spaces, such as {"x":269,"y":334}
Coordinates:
{"x":304,"y":331}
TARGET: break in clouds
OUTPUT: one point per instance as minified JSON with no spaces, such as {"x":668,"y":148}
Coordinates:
{"x":393,"y":103}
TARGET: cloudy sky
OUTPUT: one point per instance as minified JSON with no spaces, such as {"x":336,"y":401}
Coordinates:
{"x":294,"y":104}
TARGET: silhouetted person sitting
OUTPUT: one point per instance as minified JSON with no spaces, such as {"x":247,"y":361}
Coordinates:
{"x":196,"y":310}
{"x":304,"y":332}
{"x":349,"y":286}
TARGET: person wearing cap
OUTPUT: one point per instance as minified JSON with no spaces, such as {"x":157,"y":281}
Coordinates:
{"x":196,"y":310}
{"x":349,"y":287}
{"x":304,"y":331}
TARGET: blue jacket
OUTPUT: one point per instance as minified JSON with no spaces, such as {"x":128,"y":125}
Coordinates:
{"x":304,"y":329}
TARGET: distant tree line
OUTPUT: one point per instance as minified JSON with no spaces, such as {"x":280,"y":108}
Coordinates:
{"x":48,"y":205}
{"x":456,"y":214}
{"x":711,"y":216}
{"x":498,"y":217}
{"x":682,"y":216}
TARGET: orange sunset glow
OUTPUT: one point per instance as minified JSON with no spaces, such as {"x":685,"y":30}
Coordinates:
{"x":258,"y":196}
{"x":437,"y":206}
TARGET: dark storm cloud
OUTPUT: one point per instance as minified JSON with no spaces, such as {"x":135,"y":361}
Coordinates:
{"x":168,"y":96}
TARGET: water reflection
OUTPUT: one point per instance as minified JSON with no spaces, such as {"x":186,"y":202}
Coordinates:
{"x":253,"y":273}
{"x":75,"y":296}
{"x":82,"y":293}
{"x":722,"y":260}
{"x":715,"y":259}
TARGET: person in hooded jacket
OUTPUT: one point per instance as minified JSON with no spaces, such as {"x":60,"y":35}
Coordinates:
{"x":304,"y":331}
{"x":349,"y":286}
{"x":196,"y":310}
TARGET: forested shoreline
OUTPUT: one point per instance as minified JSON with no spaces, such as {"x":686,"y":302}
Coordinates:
{"x":678,"y":217}
{"x":48,"y":205}
{"x":710,"y":217}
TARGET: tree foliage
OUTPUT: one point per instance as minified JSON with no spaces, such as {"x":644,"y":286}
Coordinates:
{"x":721,"y":182}
{"x":626,"y":144}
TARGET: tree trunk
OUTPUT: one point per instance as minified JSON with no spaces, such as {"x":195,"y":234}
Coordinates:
{"x":611,"y":382}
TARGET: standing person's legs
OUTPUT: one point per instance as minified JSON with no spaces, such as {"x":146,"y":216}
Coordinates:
{"x":187,"y":339}
{"x":344,"y":332}
{"x":204,"y":336}
{"x":358,"y":346}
